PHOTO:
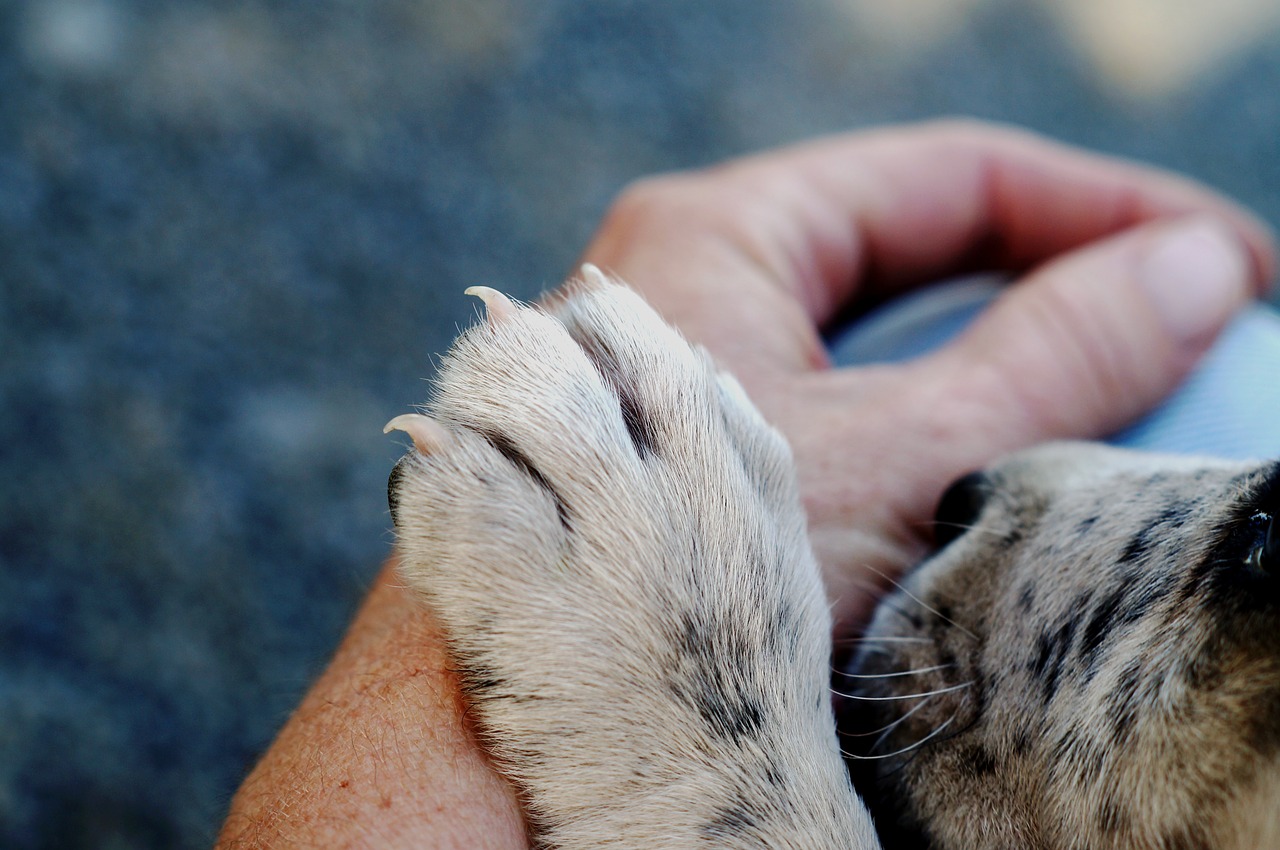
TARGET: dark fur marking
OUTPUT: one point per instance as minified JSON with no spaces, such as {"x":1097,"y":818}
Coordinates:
{"x":393,"y":487}
{"x":1099,"y":626}
{"x":519,"y":460}
{"x":1027,"y":598}
{"x":480,"y":679}
{"x":1120,"y":608}
{"x":1185,"y":839}
{"x":1123,"y":701}
{"x":787,"y":631}
{"x":1198,"y":577}
{"x":1090,"y":759}
{"x":1051,"y":658}
{"x":1138,"y":604}
{"x":1111,"y":818}
{"x":638,"y":424}
{"x":732,"y":822}
{"x":979,"y":761}
{"x":732,"y":716}
{"x":1086,"y":525}
{"x":947,"y":658}
{"x":1264,"y":730}
{"x":1138,"y":546}
{"x":713,"y":660}
{"x":1141,"y":543}
{"x":1206,"y":671}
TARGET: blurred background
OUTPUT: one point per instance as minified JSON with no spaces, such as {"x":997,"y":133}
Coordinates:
{"x":234,"y":232}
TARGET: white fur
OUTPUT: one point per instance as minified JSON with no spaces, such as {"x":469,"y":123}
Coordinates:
{"x":636,"y":610}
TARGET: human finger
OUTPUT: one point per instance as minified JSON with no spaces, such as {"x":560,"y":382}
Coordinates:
{"x":872,"y":213}
{"x":1085,"y":344}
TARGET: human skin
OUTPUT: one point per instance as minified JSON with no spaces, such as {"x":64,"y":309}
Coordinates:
{"x":1124,"y":276}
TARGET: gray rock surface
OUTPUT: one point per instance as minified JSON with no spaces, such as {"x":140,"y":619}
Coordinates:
{"x":232,"y":237}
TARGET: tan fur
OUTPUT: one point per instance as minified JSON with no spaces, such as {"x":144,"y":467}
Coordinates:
{"x":1251,"y":818}
{"x":1114,"y":667}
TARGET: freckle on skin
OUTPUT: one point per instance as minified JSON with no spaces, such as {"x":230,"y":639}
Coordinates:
{"x":344,"y":784}
{"x":384,"y":803}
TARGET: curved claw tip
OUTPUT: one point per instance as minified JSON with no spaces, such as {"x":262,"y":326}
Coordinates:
{"x":591,"y":274}
{"x":498,"y":307}
{"x":427,"y":434}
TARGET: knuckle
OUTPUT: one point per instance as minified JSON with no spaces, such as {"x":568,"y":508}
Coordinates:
{"x":966,"y":133}
{"x":651,"y":198}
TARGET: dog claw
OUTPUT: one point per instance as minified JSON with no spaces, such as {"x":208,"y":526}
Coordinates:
{"x":427,"y":434}
{"x":498,"y":307}
{"x":592,"y":276}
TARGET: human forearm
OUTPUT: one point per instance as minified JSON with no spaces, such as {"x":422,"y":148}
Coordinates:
{"x":379,"y":753}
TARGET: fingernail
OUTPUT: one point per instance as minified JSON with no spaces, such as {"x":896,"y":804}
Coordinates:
{"x":1197,"y":275}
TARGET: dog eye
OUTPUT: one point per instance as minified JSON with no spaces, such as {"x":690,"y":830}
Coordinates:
{"x":959,"y":508}
{"x":1264,"y":555}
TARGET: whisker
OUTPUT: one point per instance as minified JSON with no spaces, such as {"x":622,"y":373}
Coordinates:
{"x":935,"y":733}
{"x":898,"y":697}
{"x":867,"y":587}
{"x":883,"y":737}
{"x":877,"y":650}
{"x":890,"y":727}
{"x":884,"y":597}
{"x":873,"y":592}
{"x":897,"y":675}
{"x":922,"y":604}
{"x":883,"y":639}
{"x":881,"y":645}
{"x":979,"y":528}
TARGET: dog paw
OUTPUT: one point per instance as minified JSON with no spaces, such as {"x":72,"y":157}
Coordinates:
{"x":612,"y":538}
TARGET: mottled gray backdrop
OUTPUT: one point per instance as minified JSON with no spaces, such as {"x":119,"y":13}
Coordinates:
{"x":234,"y":232}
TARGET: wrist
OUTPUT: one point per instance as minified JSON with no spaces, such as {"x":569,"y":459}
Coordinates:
{"x":380,"y":751}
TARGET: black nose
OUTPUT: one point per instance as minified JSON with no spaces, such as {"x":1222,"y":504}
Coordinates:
{"x":960,"y":507}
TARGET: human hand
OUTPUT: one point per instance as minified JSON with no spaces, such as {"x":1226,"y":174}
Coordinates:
{"x":751,"y":259}
{"x":1128,"y":275}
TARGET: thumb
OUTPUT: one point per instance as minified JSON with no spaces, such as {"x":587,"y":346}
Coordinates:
{"x":1089,"y":342}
